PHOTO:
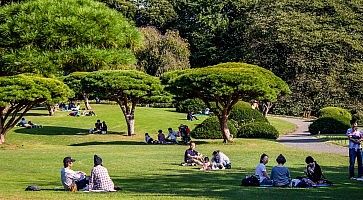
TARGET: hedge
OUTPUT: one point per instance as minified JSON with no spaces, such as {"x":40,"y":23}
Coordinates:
{"x":258,"y":130}
{"x":329,"y":125}
{"x":334,"y":112}
{"x":242,"y":113}
{"x":210,"y":129}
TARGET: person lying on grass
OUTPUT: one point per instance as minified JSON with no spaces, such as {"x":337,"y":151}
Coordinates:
{"x":72,"y":180}
{"x":280,"y":174}
{"x":192,"y":157}
{"x":99,"y":179}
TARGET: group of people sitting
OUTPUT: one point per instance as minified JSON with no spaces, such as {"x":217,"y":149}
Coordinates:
{"x":193,"y":158}
{"x":99,"y":179}
{"x":172,"y":137}
{"x":28,"y":124}
{"x":76,"y":111}
{"x":100,"y":128}
{"x":280,"y":174}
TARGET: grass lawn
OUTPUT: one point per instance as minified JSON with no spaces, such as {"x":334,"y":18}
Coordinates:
{"x":283,"y":127}
{"x":34,"y":156}
{"x":337,"y":139}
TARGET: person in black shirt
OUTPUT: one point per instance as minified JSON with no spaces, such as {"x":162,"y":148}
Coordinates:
{"x":98,"y":127}
{"x":313,"y":170}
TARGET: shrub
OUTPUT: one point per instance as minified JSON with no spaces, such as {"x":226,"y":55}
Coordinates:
{"x":329,"y":125}
{"x":258,"y":130}
{"x":242,"y":113}
{"x":210,"y":129}
{"x":193,"y":105}
{"x":334,"y":112}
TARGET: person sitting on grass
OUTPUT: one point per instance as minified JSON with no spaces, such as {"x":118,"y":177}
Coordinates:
{"x":71,"y":180}
{"x":280,"y":174}
{"x":104,"y":128}
{"x":172,"y":136}
{"x":206,"y":164}
{"x":99,"y":178}
{"x":161,"y":137}
{"x":191,"y":116}
{"x":220,"y":160}
{"x":261,"y":171}
{"x":192,"y":157}
{"x":313,"y":170}
{"x":98,"y":127}
{"x":22,"y":122}
{"x":148,"y":139}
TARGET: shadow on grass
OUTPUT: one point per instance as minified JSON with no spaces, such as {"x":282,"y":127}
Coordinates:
{"x":109,"y":143}
{"x":52,"y":130}
{"x":34,"y":114}
{"x":127,"y":143}
{"x":226,"y":185}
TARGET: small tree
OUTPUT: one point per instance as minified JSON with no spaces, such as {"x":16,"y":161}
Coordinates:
{"x":74,"y":82}
{"x":162,"y":53}
{"x":225,"y":84}
{"x":18,"y":94}
{"x":127,"y":88}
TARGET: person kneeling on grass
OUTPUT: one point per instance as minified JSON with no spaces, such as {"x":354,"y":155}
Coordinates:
{"x":192,"y":157}
{"x":71,"y":180}
{"x":100,"y":179}
{"x":280,"y":174}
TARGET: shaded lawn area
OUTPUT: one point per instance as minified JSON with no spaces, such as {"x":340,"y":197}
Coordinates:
{"x":150,"y":171}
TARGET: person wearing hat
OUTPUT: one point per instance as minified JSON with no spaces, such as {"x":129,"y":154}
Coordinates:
{"x":99,"y":179}
{"x":72,"y":180}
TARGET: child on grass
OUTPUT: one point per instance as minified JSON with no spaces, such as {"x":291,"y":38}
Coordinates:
{"x":206,"y":164}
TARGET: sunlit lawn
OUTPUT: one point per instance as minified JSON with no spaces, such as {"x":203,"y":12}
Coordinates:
{"x":34,"y":156}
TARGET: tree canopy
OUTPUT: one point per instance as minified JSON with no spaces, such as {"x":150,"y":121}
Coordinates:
{"x":162,"y":53}
{"x":18,"y":94}
{"x":63,"y":36}
{"x":127,"y":88}
{"x":225,"y":84}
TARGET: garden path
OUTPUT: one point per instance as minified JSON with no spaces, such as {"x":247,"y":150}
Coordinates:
{"x":302,"y":139}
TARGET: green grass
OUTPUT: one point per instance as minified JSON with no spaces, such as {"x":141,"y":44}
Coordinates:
{"x":34,"y":156}
{"x":283,"y":127}
{"x":336,"y":139}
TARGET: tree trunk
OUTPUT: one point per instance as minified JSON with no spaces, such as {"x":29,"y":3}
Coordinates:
{"x":130,"y":125}
{"x":51,"y":109}
{"x":86,"y":102}
{"x":266,"y":107}
{"x":2,"y":138}
{"x":223,"y":121}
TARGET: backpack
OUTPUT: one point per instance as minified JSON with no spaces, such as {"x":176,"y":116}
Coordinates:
{"x":250,"y":181}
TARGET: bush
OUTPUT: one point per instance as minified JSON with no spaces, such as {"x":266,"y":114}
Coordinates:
{"x":242,"y":113}
{"x":334,"y":112}
{"x":329,"y":125}
{"x":193,"y":105}
{"x":258,"y":130}
{"x":210,"y":129}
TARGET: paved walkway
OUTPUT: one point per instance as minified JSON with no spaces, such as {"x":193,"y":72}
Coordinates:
{"x":302,"y":139}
